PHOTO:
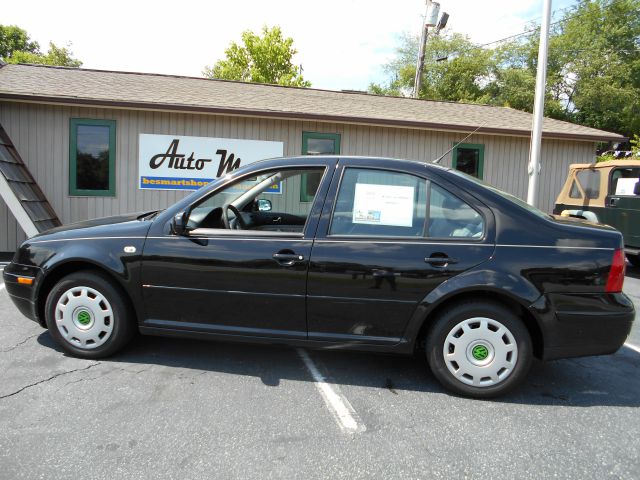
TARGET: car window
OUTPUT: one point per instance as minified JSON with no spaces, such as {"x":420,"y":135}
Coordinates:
{"x":590,"y":182}
{"x":379,"y":203}
{"x":575,"y":191}
{"x":623,"y":180}
{"x":449,"y":216}
{"x":269,"y":201}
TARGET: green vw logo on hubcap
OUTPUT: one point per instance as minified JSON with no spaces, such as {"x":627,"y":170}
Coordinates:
{"x":84,"y":318}
{"x":480,"y":352}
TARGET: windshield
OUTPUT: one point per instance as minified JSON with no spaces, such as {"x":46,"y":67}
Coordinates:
{"x":505,"y":195}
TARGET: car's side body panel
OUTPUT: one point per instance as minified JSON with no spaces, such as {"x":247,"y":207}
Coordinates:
{"x":360,"y":293}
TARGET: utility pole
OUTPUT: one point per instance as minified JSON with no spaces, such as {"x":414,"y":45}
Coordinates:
{"x":538,"y":107}
{"x":430,"y":20}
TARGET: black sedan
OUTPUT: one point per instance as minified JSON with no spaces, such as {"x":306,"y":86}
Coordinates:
{"x":325,"y":252}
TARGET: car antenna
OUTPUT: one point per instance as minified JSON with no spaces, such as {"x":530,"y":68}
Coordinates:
{"x":437,"y":160}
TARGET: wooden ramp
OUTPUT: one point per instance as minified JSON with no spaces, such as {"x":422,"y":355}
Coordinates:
{"x":21,"y":193}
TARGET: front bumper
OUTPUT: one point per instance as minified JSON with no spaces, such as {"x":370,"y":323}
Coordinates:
{"x":586,"y":324}
{"x":22,"y":295}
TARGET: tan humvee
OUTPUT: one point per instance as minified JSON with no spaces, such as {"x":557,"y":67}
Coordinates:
{"x":606,"y":192}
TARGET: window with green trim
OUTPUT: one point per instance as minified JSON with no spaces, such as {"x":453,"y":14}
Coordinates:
{"x":92,"y":157}
{"x":316,"y":144}
{"x":469,"y":159}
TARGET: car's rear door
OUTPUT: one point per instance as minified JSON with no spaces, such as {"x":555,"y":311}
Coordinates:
{"x":249,"y":282}
{"x":386,"y":238}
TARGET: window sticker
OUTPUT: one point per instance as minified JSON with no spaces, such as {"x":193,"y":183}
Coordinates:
{"x":625,"y":186}
{"x":383,"y":205}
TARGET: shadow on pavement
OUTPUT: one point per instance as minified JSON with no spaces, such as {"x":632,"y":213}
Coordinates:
{"x":585,"y":382}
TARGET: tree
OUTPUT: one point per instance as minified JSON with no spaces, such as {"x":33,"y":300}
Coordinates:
{"x":593,"y":69}
{"x":260,"y":59}
{"x":55,"y":56}
{"x":17,"y":47}
{"x":601,"y":44}
{"x":455,"y":69}
{"x":14,"y":39}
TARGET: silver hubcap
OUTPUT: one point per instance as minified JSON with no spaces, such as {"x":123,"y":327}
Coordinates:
{"x":480,"y":352}
{"x":84,"y":317}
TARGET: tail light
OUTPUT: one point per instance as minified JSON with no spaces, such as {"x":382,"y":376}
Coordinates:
{"x":616,"y":273}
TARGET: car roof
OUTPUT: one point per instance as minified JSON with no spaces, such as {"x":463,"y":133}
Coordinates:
{"x":609,"y":163}
{"x":387,"y":161}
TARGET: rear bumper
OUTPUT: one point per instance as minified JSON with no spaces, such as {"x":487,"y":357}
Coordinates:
{"x":23,"y":296}
{"x":587,"y":324}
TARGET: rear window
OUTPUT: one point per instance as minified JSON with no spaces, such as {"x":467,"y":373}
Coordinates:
{"x":505,"y":195}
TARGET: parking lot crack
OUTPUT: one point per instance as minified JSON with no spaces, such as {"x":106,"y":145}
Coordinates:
{"x":22,"y":342}
{"x":52,"y":377}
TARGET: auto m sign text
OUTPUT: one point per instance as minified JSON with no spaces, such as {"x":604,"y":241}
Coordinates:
{"x":173,"y":162}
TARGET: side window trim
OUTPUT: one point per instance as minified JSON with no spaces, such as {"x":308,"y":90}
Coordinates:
{"x":483,"y":218}
{"x":424,"y":238}
{"x":330,"y":235}
{"x":307,"y":229}
{"x":73,"y":157}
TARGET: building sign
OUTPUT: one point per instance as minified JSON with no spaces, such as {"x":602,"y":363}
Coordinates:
{"x":173,"y":162}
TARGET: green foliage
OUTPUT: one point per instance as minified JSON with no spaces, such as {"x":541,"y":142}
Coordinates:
{"x":14,"y":39}
{"x":16,"y":47}
{"x":260,"y":59}
{"x":462,"y":78}
{"x":593,"y":68}
{"x":55,"y":56}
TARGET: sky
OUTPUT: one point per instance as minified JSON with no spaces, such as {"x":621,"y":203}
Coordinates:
{"x":342,"y":44}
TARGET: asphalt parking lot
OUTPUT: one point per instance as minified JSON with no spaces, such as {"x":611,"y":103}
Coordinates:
{"x":187,"y":409}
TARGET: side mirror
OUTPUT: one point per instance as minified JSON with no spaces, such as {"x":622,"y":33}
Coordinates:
{"x":636,"y":189}
{"x":264,"y":205}
{"x":179,"y":223}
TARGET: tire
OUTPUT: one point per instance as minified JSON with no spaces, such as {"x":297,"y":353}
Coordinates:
{"x":88,"y":316}
{"x":488,"y":364}
{"x":634,"y":260}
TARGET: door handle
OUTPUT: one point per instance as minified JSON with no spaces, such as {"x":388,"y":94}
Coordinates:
{"x":613,"y":201}
{"x":440,"y":261}
{"x":287,"y":259}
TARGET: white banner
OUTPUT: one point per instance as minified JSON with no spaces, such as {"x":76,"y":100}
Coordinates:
{"x":383,"y":205}
{"x":173,"y":162}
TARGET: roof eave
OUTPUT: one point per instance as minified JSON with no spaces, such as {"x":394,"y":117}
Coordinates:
{"x":303,"y":116}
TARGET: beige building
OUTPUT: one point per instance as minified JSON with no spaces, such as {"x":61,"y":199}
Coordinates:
{"x":52,"y":115}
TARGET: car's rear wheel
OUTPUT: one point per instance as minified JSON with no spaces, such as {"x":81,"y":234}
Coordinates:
{"x":88,"y":316}
{"x":634,"y":260}
{"x":479,"y":349}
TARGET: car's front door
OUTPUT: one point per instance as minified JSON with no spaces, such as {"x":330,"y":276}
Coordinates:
{"x":385,"y":240}
{"x":241,"y":268}
{"x":622,"y":205}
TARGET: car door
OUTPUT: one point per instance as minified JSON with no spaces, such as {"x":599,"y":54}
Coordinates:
{"x":622,"y":205}
{"x":385,"y":240}
{"x":241,"y":281}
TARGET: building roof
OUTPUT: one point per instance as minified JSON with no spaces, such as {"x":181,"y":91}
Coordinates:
{"x":188,"y":94}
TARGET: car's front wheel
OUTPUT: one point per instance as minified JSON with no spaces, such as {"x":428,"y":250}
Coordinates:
{"x":88,"y":316}
{"x":479,"y":349}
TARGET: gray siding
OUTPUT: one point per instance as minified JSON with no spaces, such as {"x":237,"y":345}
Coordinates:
{"x":41,"y":135}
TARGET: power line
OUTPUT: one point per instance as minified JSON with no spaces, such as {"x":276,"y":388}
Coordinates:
{"x":534,"y":30}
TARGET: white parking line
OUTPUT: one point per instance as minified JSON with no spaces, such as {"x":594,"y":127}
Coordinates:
{"x":344,"y":414}
{"x":635,"y":348}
